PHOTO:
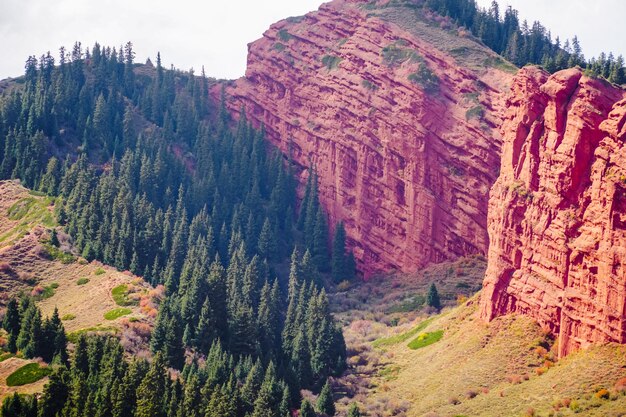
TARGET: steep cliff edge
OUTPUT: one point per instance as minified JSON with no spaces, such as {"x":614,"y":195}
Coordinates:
{"x":399,"y":113}
{"x":557,"y":213}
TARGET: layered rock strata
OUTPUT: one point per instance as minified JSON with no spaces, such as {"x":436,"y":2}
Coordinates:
{"x":557,"y":213}
{"x":402,"y":134}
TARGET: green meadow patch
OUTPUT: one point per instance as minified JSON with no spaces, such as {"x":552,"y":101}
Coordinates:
{"x":426,"y":339}
{"x":27,"y":374}
{"x":116,"y":313}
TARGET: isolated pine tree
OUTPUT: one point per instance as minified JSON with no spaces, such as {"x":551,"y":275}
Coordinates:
{"x":432,"y":300}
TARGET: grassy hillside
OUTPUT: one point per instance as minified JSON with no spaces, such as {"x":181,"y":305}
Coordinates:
{"x":82,"y":291}
{"x":88,"y":295}
{"x":452,"y":364}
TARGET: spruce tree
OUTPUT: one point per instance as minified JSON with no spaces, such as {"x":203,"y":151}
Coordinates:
{"x":325,"y":403}
{"x":339,"y":261}
{"x":432,"y":300}
{"x":173,"y":349}
{"x":267,"y":401}
{"x":306,"y":409}
{"x":320,"y":241}
{"x":205,"y":332}
{"x":266,"y":244}
{"x":151,"y":391}
{"x":11,"y":324}
{"x":55,"y":393}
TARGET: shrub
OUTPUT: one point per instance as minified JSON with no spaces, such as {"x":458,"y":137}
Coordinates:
{"x":514,"y":379}
{"x":425,"y":78}
{"x":284,"y":35}
{"x":117,"y":313}
{"x":471,"y":394}
{"x":73,"y":336}
{"x":120,"y":296}
{"x":279,"y":47}
{"x":402,"y":337}
{"x":27,"y":374}
{"x":344,"y":285}
{"x":58,"y":255}
{"x":5,"y":356}
{"x":476,"y":112}
{"x":453,"y":401}
{"x":393,"y":55}
{"x":369,"y":85}
{"x":5,"y":267}
{"x":82,"y":281}
{"x":99,"y":271}
{"x":68,"y":317}
{"x":603,"y":394}
{"x":41,"y":293}
{"x":330,"y":61}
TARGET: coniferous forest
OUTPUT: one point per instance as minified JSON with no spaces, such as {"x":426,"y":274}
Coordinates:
{"x":523,"y":44}
{"x":153,"y":177}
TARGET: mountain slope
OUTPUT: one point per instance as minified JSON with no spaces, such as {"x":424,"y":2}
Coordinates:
{"x":398,"y":113}
{"x":30,"y":264}
{"x":504,"y":368}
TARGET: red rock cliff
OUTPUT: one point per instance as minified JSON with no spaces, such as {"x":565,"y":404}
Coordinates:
{"x":397,"y":116}
{"x":557,"y":213}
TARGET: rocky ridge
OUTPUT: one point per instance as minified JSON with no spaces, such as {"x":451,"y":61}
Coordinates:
{"x":385,"y":103}
{"x":557,"y":213}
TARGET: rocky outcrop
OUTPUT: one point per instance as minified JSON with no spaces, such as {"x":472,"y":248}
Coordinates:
{"x":557,"y":213}
{"x":396,"y":118}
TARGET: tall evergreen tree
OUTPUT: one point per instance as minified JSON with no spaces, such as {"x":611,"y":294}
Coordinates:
{"x":432,"y":300}
{"x":325,"y":403}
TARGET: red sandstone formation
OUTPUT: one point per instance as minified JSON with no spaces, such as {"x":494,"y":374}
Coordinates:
{"x":398,"y":120}
{"x":557,"y":213}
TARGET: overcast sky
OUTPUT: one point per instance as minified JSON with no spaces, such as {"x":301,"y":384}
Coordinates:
{"x":215,"y":34}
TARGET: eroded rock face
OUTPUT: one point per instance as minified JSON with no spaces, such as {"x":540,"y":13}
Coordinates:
{"x":557,"y":213}
{"x":404,"y":137}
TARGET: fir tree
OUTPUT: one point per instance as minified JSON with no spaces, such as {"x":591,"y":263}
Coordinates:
{"x":11,"y":324}
{"x":151,"y":391}
{"x":339,"y":261}
{"x":306,"y":409}
{"x":432,"y":300}
{"x":325,"y":403}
